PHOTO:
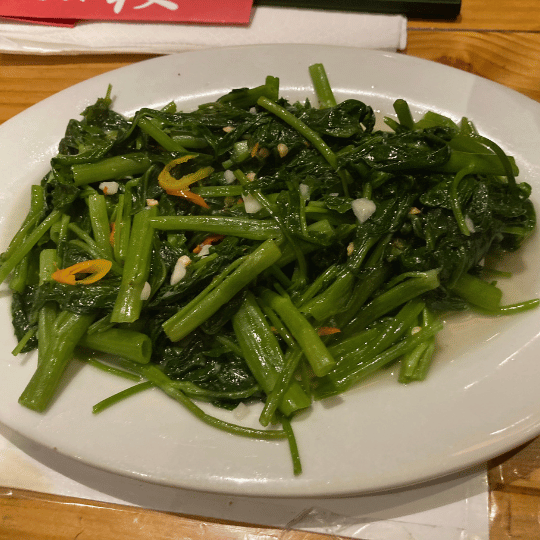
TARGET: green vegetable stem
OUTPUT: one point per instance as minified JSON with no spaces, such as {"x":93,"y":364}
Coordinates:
{"x":303,"y":332}
{"x":210,"y":301}
{"x":260,"y":249}
{"x":43,"y":385}
{"x":261,"y":350}
{"x":128,"y":344}
{"x":129,"y":301}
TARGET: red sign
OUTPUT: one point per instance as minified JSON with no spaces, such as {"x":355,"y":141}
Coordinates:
{"x":44,"y":22}
{"x":192,"y":11}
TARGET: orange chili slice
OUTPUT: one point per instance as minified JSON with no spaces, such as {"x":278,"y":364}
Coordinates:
{"x":327,"y":330}
{"x":111,"y":236}
{"x":255,"y":149}
{"x":189,"y":195}
{"x":179,"y":186}
{"x":168,"y":182}
{"x":209,"y":240}
{"x":97,"y":269}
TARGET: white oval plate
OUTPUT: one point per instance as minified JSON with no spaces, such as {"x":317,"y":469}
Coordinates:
{"x":480,"y":399}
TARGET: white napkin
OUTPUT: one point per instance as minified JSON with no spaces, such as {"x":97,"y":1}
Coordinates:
{"x":268,"y":25}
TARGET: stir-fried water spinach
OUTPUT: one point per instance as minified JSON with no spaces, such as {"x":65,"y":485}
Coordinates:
{"x":258,"y":249}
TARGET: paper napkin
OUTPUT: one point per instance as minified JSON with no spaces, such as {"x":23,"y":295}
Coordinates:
{"x":268,"y":24}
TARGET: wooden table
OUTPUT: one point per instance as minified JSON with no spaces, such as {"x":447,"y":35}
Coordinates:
{"x":493,"y":39}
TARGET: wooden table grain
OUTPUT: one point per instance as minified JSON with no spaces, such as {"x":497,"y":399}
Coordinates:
{"x":27,"y":515}
{"x":493,"y":39}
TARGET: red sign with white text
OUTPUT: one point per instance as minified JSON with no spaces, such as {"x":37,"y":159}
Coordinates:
{"x":191,"y":11}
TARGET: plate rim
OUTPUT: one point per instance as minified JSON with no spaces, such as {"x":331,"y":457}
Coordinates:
{"x":233,"y":488}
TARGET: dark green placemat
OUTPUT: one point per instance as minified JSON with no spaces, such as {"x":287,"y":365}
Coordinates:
{"x":423,"y":9}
